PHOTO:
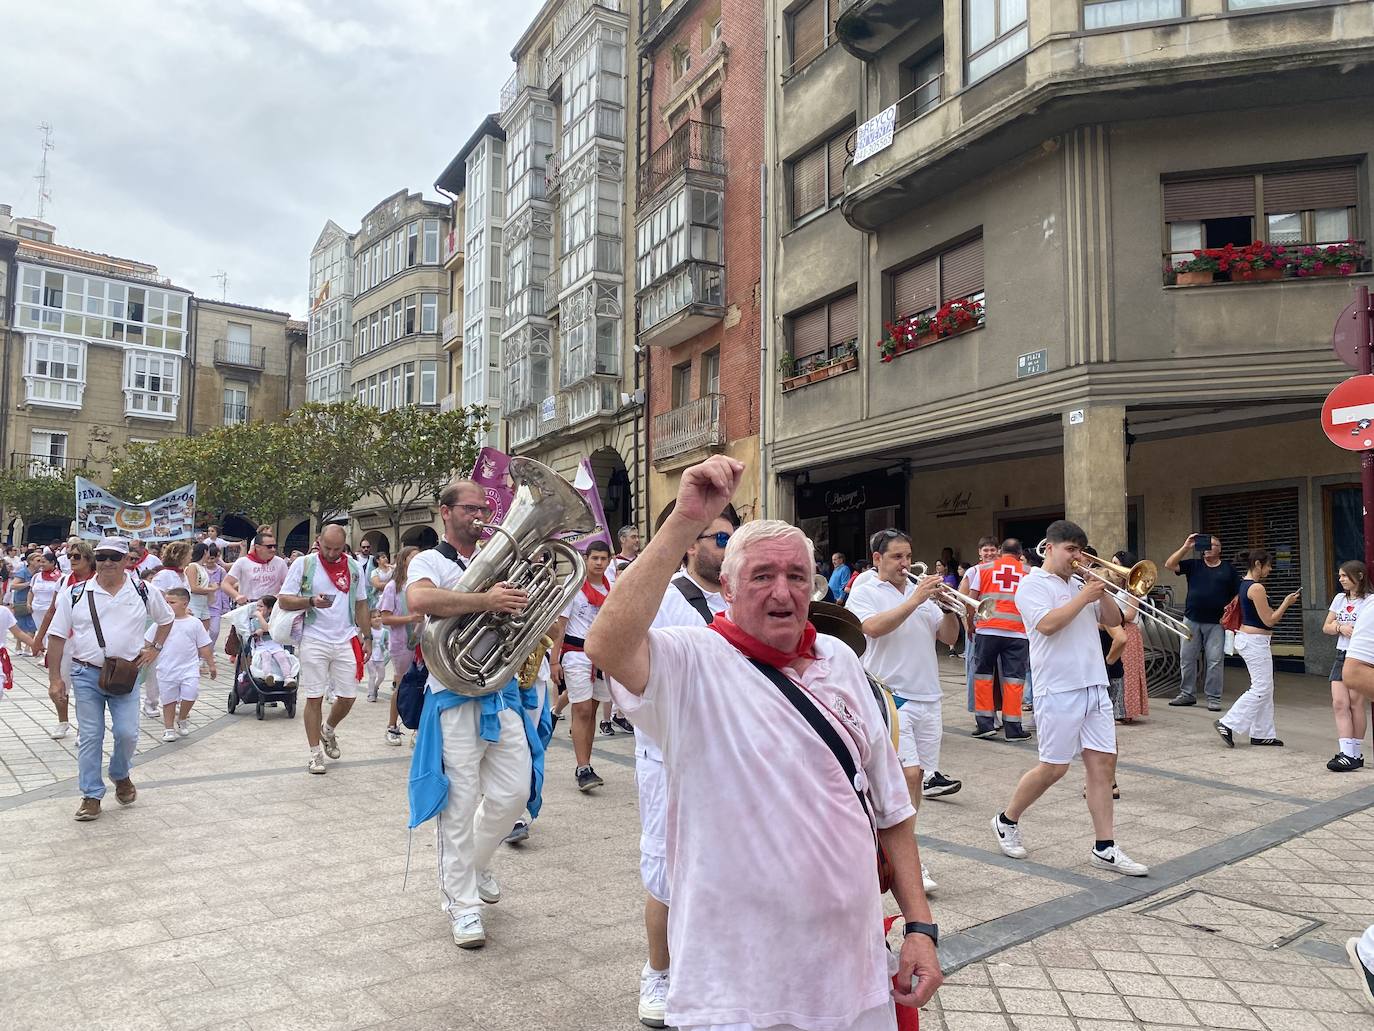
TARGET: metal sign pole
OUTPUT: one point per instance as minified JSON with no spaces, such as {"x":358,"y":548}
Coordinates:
{"x":1366,"y":338}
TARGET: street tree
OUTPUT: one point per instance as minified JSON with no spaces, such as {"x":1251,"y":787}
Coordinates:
{"x":38,"y":493}
{"x":319,"y":457}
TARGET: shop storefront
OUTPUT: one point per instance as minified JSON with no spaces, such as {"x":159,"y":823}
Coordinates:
{"x":840,"y":515}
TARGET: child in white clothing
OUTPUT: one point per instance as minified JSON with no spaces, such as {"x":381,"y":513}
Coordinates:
{"x":376,"y":662}
{"x":178,"y":667}
{"x":269,"y":662}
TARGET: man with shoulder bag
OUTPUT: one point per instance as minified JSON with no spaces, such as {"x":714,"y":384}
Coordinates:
{"x":102,"y":621}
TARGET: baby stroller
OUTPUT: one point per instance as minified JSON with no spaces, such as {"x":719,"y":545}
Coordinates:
{"x":250,"y":690}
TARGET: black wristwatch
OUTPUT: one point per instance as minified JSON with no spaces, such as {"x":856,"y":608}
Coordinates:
{"x":931,"y":931}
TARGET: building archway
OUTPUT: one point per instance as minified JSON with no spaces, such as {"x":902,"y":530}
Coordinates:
{"x":613,"y":484}
{"x":420,"y":536}
{"x":45,"y":531}
{"x":299,"y":537}
{"x":237,"y":528}
{"x":379,"y":541}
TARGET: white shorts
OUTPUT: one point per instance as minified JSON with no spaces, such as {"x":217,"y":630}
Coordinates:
{"x":921,"y":725}
{"x":880,"y":1018}
{"x":577,"y":678}
{"x":328,"y":664}
{"x":178,"y":689}
{"x":1068,"y":722}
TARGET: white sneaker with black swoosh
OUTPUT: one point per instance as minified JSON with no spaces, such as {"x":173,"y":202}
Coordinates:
{"x":1112,"y":858}
{"x":1008,"y":838}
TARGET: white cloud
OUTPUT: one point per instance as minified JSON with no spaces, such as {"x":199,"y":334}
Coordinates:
{"x":201,"y":136}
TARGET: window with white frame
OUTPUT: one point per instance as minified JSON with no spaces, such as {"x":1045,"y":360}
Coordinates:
{"x":995,"y":33}
{"x":235,"y":403}
{"x":1106,"y":14}
{"x":429,"y":313}
{"x":47,"y":451}
{"x":431,"y":248}
{"x":429,"y":382}
{"x":100,"y":309}
{"x":151,"y":385}
{"x":54,"y":372}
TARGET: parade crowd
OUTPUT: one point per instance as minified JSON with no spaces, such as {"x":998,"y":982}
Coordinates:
{"x":750,"y":683}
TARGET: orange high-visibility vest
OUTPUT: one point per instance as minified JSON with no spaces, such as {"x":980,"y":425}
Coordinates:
{"x":998,"y":580}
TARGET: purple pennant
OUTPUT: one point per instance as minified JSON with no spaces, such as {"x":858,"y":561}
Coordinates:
{"x":492,"y":473}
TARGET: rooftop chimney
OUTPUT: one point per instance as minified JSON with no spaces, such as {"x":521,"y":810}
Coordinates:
{"x":5,"y":211}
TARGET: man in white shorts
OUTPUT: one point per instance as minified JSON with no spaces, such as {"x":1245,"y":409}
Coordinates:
{"x":1358,"y":676}
{"x":902,"y":624}
{"x":329,"y":588}
{"x":586,"y":686}
{"x":1073,"y":708}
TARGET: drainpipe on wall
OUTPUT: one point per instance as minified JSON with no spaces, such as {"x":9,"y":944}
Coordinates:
{"x":191,"y":367}
{"x":6,"y":338}
{"x":763,"y":339}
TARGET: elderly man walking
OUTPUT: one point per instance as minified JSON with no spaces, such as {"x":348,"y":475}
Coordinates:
{"x":101,"y":620}
{"x":755,"y":716}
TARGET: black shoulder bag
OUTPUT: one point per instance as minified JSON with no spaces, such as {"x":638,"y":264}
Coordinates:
{"x":827,"y":732}
{"x":695,"y":598}
{"x":410,"y":692}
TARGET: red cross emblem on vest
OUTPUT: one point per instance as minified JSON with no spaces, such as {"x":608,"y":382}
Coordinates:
{"x":1006,"y":578}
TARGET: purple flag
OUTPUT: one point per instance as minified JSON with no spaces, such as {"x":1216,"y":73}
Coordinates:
{"x":492,"y":474}
{"x":585,"y":484}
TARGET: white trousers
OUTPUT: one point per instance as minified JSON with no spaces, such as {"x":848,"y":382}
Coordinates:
{"x":1253,"y":713}
{"x":1365,"y":948}
{"x":497,"y":773}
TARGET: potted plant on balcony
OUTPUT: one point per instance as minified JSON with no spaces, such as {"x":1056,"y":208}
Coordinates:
{"x":1199,"y":269}
{"x":787,"y":369}
{"x":848,"y":360}
{"x":1337,"y":259}
{"x":957,"y":315}
{"x":1259,"y":262}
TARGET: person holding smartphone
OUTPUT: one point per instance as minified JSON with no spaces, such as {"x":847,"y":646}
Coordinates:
{"x":1212,"y":584}
{"x":1253,"y":712}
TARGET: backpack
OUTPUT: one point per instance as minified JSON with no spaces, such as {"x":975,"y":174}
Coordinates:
{"x":410,"y":692}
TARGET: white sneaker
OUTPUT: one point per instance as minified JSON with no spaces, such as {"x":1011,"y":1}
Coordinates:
{"x":653,"y":998}
{"x":1008,"y":838}
{"x":184,"y":728}
{"x":316,"y":764}
{"x":393,"y":736}
{"x":152,"y":711}
{"x":59,"y":731}
{"x":330,"y":740}
{"x":169,"y":734}
{"x":488,"y":888}
{"x":1115,"y":859}
{"x":468,"y":933}
{"x":927,"y":882}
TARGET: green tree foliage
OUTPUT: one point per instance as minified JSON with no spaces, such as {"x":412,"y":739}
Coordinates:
{"x":47,"y":494}
{"x":320,"y":465}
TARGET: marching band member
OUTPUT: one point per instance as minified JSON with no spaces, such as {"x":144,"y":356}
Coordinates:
{"x":902,"y":623}
{"x":1074,"y":711}
{"x":745,"y":711}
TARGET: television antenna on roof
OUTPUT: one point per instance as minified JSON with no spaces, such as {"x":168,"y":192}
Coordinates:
{"x":44,"y":194}
{"x":223,"y":278}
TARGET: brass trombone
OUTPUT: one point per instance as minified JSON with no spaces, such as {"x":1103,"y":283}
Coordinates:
{"x":1139,"y":579}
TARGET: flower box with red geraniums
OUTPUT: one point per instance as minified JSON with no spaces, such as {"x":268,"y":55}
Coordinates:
{"x":958,"y":315}
{"x":918,"y":330}
{"x":1257,"y":261}
{"x":1337,"y":259}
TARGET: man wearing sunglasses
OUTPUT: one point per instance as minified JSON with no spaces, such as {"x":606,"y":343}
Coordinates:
{"x":258,"y":573}
{"x":123,"y":607}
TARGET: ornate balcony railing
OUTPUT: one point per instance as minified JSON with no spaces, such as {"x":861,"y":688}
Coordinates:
{"x":235,"y":415}
{"x":691,"y":427}
{"x":695,"y":146}
{"x":44,"y":465}
{"x":240,"y":354}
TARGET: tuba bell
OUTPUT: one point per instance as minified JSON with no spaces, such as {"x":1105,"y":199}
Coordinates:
{"x":478,"y":653}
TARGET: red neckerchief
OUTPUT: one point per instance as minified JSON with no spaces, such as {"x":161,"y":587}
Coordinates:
{"x":6,"y":669}
{"x":338,"y":572}
{"x":252,"y":556}
{"x":73,"y":579}
{"x":357,"y":658}
{"x":50,"y":574}
{"x":753,"y":648}
{"x":595,"y":597}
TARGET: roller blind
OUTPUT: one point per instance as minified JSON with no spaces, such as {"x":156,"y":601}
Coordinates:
{"x":808,"y":32}
{"x":962,"y":271}
{"x":837,"y":158}
{"x":1310,"y":189}
{"x":914,"y":289}
{"x":844,"y":318}
{"x":1195,"y":199}
{"x":808,"y":333}
{"x":808,"y":183}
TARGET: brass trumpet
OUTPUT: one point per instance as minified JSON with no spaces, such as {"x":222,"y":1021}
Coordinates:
{"x":951,"y":600}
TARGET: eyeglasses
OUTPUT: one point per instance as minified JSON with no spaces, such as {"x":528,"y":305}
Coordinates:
{"x":106,"y":556}
{"x":722,"y":538}
{"x":269,"y":547}
{"x":481,"y":510}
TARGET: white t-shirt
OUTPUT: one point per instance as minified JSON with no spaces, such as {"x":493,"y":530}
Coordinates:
{"x":123,"y":619}
{"x":779,"y":926}
{"x":1361,"y":644}
{"x":1347,"y":612}
{"x":333,"y":623}
{"x":258,"y":579}
{"x":7,"y":620}
{"x":580,"y":612}
{"x":904,"y":659}
{"x":441,"y":572}
{"x":149,"y":561}
{"x":44,"y":591}
{"x":165,"y":579}
{"x":64,"y":563}
{"x":1071,"y":659}
{"x":180,"y":658}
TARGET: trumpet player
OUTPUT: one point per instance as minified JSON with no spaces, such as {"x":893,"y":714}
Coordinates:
{"x":483,"y":747}
{"x":902,"y":622}
{"x":1073,"y":710}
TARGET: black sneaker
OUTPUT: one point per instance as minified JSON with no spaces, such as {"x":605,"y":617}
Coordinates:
{"x":624,"y":724}
{"x":1271,"y":742}
{"x":1225,"y":732}
{"x":938,"y":784}
{"x":1342,"y":763}
{"x":985,"y":728}
{"x":518,"y":833}
{"x":1015,"y":732}
{"x":607,"y":729}
{"x":1183,"y":699}
{"x":587,"y":779}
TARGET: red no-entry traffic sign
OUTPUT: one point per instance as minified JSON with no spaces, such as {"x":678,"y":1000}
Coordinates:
{"x":1348,"y":414}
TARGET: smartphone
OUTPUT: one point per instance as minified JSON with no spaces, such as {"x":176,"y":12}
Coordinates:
{"x":328,"y":600}
{"x":1202,"y":543}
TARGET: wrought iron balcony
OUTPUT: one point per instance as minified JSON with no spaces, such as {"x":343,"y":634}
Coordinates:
{"x":683,"y":304}
{"x":696,"y":426}
{"x":453,"y":326}
{"x":585,"y":363}
{"x":239,"y":354}
{"x":234,"y":415}
{"x":694,"y":147}
{"x":45,"y":465}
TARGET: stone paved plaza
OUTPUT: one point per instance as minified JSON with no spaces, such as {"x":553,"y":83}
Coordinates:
{"x":240,"y":893}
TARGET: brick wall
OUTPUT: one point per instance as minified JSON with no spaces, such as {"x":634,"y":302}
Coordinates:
{"x":741,"y":99}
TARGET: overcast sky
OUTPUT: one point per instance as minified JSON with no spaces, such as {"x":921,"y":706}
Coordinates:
{"x":203,"y":137}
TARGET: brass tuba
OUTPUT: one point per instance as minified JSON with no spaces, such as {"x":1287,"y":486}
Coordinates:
{"x":478,"y":653}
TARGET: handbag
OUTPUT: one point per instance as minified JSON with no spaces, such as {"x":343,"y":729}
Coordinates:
{"x":410,"y":695}
{"x":827,"y":732}
{"x":22,"y":609}
{"x":232,"y":644}
{"x":117,"y":676}
{"x":1230,"y":616}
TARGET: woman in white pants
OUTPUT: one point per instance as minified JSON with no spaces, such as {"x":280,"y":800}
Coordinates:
{"x":1253,"y":713}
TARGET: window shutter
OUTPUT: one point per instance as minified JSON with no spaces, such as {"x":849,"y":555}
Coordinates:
{"x":808,"y":333}
{"x":808,"y":183}
{"x":844,"y":318}
{"x":962,"y":271}
{"x":837,"y":158}
{"x":1310,"y":189}
{"x":914,"y":290}
{"x":808,"y":32}
{"x":1209,"y":198}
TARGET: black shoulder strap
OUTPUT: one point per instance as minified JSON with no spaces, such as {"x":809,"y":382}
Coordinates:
{"x":697,"y":599}
{"x":822,"y":726}
{"x":451,"y":553}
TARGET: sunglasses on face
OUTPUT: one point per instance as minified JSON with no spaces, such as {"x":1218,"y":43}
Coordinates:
{"x":106,"y":556}
{"x":481,"y":510}
{"x":722,"y":538}
{"x":269,"y":547}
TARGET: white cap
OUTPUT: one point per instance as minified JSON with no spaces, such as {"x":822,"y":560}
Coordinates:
{"x":119,"y":544}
